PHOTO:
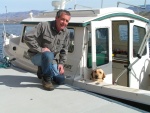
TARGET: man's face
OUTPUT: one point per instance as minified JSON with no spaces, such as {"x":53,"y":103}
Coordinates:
{"x":62,"y":21}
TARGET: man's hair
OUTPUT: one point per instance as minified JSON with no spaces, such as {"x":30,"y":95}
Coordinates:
{"x":58,"y":14}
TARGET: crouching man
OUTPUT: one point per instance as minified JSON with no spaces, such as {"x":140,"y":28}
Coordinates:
{"x":45,"y":42}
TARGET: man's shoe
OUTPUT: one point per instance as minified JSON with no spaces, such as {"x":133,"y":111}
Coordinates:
{"x":47,"y":85}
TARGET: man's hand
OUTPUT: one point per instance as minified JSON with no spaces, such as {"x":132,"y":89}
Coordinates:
{"x":61,"y":69}
{"x":45,"y":49}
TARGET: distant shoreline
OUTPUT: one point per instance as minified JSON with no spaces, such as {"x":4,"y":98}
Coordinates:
{"x":17,"y":17}
{"x":10,"y":22}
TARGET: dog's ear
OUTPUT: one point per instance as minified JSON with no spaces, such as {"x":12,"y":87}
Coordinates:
{"x":92,"y":74}
{"x":104,"y":75}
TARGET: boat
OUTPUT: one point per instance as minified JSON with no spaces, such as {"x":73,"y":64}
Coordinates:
{"x":113,"y":39}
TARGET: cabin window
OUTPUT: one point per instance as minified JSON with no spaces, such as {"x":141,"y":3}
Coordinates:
{"x":138,"y":35}
{"x":101,"y":48}
{"x":71,"y":45}
{"x":123,"y":32}
{"x":26,"y":30}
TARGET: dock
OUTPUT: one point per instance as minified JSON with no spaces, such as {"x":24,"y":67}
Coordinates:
{"x":22,"y":92}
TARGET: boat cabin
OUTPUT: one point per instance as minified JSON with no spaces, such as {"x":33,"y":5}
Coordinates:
{"x":109,"y":39}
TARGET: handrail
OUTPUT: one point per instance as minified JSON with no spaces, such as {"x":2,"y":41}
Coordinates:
{"x":131,"y":5}
{"x":118,"y":3}
{"x":81,"y":6}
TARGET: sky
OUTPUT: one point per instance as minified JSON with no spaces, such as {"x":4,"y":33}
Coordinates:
{"x":27,"y":5}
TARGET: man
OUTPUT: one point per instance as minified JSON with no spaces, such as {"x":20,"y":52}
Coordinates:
{"x":45,"y":43}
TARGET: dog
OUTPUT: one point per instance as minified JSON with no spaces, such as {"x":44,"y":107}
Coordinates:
{"x":97,"y":75}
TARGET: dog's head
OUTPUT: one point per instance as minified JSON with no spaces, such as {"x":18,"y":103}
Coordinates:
{"x":98,"y":74}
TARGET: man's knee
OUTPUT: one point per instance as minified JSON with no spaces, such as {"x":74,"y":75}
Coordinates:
{"x":48,"y":55}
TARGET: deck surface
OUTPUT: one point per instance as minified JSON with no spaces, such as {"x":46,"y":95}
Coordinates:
{"x":22,"y":92}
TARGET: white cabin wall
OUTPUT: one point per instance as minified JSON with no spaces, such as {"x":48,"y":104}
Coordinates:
{"x":139,"y":74}
{"x":74,"y":59}
{"x":141,"y":80}
{"x":144,"y":81}
{"x":83,"y":62}
{"x":85,"y":70}
{"x":93,"y":43}
{"x":147,"y":77}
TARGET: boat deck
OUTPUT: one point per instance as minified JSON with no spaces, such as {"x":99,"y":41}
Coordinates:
{"x":22,"y":92}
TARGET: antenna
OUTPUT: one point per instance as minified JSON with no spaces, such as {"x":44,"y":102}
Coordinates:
{"x":145,"y":4}
{"x":101,"y":3}
{"x":6,"y":13}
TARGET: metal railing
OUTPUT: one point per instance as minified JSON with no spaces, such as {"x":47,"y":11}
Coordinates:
{"x":138,"y":7}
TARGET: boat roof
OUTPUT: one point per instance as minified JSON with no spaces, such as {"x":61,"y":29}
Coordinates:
{"x":84,"y":17}
{"x":22,"y":92}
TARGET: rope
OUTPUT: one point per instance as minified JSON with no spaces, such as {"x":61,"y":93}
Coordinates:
{"x":5,"y":62}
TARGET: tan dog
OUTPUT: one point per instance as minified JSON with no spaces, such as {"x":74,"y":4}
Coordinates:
{"x":98,"y":75}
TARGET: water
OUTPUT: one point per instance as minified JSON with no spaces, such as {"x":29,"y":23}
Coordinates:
{"x":10,"y":28}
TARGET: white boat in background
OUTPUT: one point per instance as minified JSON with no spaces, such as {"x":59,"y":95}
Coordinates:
{"x":114,"y":39}
{"x":7,"y":36}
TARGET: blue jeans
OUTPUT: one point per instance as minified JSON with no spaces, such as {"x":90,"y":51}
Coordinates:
{"x":49,"y":70}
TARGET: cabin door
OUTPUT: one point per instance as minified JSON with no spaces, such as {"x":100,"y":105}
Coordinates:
{"x":101,"y":51}
{"x":136,"y":75}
